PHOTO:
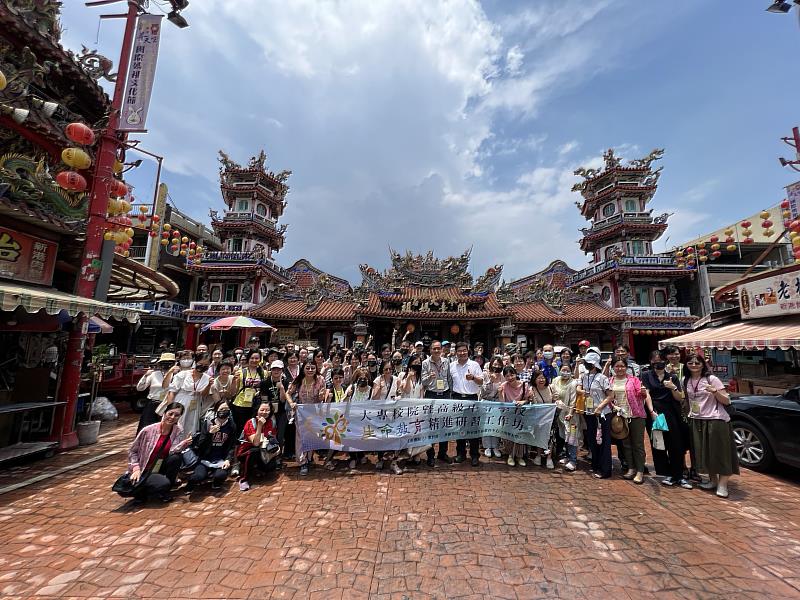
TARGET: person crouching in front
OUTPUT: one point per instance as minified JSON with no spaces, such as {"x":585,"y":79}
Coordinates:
{"x":215,"y":446}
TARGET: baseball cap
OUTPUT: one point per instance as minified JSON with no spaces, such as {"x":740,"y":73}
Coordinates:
{"x":254,"y":338}
{"x":418,"y":344}
{"x":445,"y":343}
{"x":276,"y":364}
{"x":584,"y":343}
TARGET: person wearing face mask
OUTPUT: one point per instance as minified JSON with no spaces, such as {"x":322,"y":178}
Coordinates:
{"x":358,"y":391}
{"x":667,"y":395}
{"x":216,"y":443}
{"x":397,"y":363}
{"x":185,"y":360}
{"x":570,"y":431}
{"x":154,"y":457}
{"x":153,"y":381}
{"x":188,"y":388}
{"x":372,"y":365}
{"x":545,"y":364}
{"x":490,"y":391}
{"x":478,"y":356}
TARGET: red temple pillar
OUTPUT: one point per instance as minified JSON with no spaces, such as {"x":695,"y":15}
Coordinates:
{"x":64,"y":423}
{"x":190,"y":333}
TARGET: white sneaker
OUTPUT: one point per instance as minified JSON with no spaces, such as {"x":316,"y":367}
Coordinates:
{"x":497,"y":453}
{"x":521,"y":462}
{"x":562,"y":461}
{"x":539,"y":460}
{"x":570,"y":466}
{"x":511,"y":462}
{"x":488,"y":452}
{"x":352,"y":464}
{"x":235,"y":471}
{"x":550,"y":464}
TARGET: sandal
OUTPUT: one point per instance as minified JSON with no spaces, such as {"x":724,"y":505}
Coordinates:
{"x":639,"y":479}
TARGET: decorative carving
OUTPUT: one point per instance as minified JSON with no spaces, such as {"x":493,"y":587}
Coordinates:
{"x":283,"y":176}
{"x":247,"y":292}
{"x":213,"y":214}
{"x":626,"y":294}
{"x":661,"y":218}
{"x":258,"y":161}
{"x":95,"y":65}
{"x":488,"y":282}
{"x":673,"y":295}
{"x":540,"y":290}
{"x":29,"y":181}
{"x":226,"y":164}
{"x":645,"y":162}
{"x":205,"y":294}
{"x":42,"y":15}
{"x":610,"y":160}
{"x":426,"y":271}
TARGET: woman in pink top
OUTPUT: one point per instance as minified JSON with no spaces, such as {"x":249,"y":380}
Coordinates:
{"x":714,"y":449}
{"x":630,"y":398}
{"x":518,"y":392}
{"x":307,"y":388}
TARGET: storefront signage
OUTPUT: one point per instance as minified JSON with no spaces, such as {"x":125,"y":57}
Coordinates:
{"x":141,"y":73}
{"x":770,"y":297}
{"x":26,"y":258}
{"x":162,"y":308}
{"x":286,"y":334}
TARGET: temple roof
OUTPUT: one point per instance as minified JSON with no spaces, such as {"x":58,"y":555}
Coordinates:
{"x":434,"y":305}
{"x":578,"y":312}
{"x":324,"y":310}
{"x":555,"y":274}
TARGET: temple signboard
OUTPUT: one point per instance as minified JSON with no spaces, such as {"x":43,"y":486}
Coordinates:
{"x":26,"y":258}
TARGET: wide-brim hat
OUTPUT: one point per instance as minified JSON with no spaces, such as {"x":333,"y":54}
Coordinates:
{"x":166,"y":357}
{"x":593,"y":359}
{"x":619,"y":427}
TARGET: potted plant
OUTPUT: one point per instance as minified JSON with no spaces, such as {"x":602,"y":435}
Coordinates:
{"x":88,"y":429}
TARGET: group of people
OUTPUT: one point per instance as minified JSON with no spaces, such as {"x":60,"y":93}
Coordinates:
{"x":214,"y":415}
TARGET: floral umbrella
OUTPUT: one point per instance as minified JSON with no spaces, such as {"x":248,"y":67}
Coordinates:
{"x":236,"y":323}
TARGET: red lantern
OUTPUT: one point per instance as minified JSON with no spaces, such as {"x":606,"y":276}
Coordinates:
{"x":80,"y":134}
{"x":690,"y":250}
{"x":702,"y":252}
{"x":766,"y":224}
{"x":714,"y":239}
{"x":165,"y":235}
{"x":716,"y":254}
{"x":192,"y":245}
{"x":785,"y":204}
{"x":152,"y":234}
{"x":786,"y":223}
{"x":746,"y":224}
{"x":796,"y":252}
{"x":156,"y":218}
{"x":72,"y":181}
{"x":795,"y":225}
{"x":117,"y":188}
{"x":747,"y":240}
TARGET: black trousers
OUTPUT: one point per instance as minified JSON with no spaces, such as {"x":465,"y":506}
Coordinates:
{"x":149,"y":415}
{"x":445,"y":395}
{"x":241,"y":415}
{"x":601,"y":453}
{"x":158,"y":484}
{"x":670,"y":462}
{"x":474,"y":443}
{"x":250,"y":461}
{"x":202,"y":472}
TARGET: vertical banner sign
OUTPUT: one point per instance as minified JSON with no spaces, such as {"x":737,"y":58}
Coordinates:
{"x":141,"y":73}
{"x":793,"y":196}
{"x":26,"y":258}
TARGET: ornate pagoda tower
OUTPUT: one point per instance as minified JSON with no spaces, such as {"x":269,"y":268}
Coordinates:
{"x":625,"y":271}
{"x":243,"y":274}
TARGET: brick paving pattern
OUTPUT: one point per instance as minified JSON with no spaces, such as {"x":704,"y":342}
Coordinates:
{"x":452,"y":532}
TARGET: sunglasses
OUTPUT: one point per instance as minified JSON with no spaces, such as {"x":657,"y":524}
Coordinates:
{"x":693,"y":362}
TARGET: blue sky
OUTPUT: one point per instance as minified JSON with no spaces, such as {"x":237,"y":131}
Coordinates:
{"x":442,"y":125}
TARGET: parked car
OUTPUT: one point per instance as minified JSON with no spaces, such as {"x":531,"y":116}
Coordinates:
{"x":120,"y":374}
{"x":765,"y":429}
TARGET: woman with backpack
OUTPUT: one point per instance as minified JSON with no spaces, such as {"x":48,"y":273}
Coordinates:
{"x":214,"y":446}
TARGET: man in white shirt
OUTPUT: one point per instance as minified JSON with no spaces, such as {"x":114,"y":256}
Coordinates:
{"x":437,"y":383}
{"x":467,"y":378}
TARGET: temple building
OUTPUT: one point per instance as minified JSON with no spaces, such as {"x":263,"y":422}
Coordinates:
{"x":241,"y":276}
{"x":626,"y":295}
{"x":625,"y":271}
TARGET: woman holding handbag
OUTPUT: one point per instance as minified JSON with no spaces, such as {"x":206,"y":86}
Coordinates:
{"x":630,"y":399}
{"x":259,"y":449}
{"x":154,"y":458}
{"x":215,"y":447}
{"x":715,"y":451}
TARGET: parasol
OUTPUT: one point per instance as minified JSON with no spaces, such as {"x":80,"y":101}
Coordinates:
{"x":236,"y":323}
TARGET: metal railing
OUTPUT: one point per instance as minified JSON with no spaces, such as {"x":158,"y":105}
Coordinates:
{"x":246,"y":257}
{"x":137,"y":252}
{"x":656,"y":311}
{"x":627,"y":217}
{"x":247,"y":217}
{"x":625,"y":261}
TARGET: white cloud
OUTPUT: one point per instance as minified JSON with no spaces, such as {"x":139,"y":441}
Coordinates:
{"x":568,"y":147}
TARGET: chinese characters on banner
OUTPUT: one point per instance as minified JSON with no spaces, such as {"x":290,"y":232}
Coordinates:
{"x":26,"y":258}
{"x":141,"y":73}
{"x":793,"y":196}
{"x":410,"y":422}
{"x":770,"y":297}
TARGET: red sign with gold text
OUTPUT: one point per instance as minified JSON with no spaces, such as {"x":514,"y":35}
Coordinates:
{"x":26,"y":258}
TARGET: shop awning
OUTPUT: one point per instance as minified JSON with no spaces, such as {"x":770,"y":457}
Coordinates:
{"x":97,"y":325}
{"x":52,"y":301}
{"x":781,"y":333}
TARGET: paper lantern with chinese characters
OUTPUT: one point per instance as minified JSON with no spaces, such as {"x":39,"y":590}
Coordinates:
{"x":72,"y":181}
{"x":454,"y":329}
{"x":80,"y":134}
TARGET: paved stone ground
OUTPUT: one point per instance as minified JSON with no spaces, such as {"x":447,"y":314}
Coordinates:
{"x":452,"y":532}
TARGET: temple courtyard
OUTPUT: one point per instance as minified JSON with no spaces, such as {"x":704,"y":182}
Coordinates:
{"x":451,"y":532}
